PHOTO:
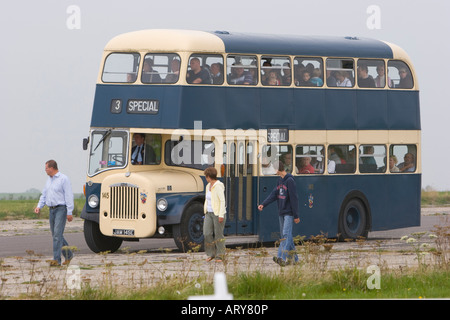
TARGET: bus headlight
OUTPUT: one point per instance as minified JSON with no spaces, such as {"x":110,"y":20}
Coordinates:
{"x":162,"y":204}
{"x":93,"y":201}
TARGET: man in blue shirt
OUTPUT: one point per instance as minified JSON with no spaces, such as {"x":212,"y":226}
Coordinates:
{"x":285,"y":193}
{"x":58,"y":197}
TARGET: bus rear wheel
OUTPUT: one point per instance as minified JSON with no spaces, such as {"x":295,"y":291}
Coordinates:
{"x":189,"y":233}
{"x":353,"y":220}
{"x":98,"y":242}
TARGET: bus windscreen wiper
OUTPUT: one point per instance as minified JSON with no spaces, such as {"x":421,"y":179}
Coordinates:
{"x":107,"y":133}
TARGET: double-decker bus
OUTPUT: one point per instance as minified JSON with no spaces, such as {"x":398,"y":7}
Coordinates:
{"x":342,"y":113}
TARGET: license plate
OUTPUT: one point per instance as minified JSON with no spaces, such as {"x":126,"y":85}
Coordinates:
{"x":123,"y":232}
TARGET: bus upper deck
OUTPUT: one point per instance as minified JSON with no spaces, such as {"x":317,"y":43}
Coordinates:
{"x":144,"y":82}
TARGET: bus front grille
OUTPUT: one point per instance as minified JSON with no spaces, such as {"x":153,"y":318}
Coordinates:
{"x":124,"y":202}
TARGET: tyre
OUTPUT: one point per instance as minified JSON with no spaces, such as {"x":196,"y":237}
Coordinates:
{"x":98,"y":242}
{"x":189,"y":233}
{"x":353,"y":220}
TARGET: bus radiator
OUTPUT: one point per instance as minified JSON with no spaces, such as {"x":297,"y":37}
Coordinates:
{"x":124,"y":202}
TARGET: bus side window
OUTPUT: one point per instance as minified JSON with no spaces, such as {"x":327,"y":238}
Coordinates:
{"x":372,"y":158}
{"x":121,"y":68}
{"x":400,"y":74}
{"x":343,"y":157}
{"x":276,"y":71}
{"x":309,"y":159}
{"x":371,"y":73}
{"x":402,"y":158}
{"x":205,"y":69}
{"x":340,"y":73}
{"x":161,"y":68}
{"x":242,"y":70}
{"x":308,"y":72}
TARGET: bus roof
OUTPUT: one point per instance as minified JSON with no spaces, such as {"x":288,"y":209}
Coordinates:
{"x":230,"y":42}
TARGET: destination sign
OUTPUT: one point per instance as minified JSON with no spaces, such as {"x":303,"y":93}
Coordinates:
{"x":143,"y":106}
{"x":277,"y":135}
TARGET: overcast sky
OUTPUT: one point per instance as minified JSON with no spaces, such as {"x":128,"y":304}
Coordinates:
{"x":50,"y":58}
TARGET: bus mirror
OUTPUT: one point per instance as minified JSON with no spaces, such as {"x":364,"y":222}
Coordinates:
{"x":85,"y":143}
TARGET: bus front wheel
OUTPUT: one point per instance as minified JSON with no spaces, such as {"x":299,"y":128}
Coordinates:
{"x":98,"y":242}
{"x":189,"y":233}
{"x":353,"y":220}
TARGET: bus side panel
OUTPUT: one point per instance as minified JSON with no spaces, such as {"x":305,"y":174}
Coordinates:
{"x":206,"y":104}
{"x":372,"y":109}
{"x":242,"y":108}
{"x":321,"y":198}
{"x":404,"y":113}
{"x":314,"y":205}
{"x":169,"y":98}
{"x":341,"y":109}
{"x":309,"y":109}
{"x":277,"y":106}
{"x":404,"y":198}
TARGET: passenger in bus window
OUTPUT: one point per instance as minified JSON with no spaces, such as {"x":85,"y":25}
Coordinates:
{"x":286,"y":79}
{"x":380,"y":80}
{"x":198,"y":74}
{"x":272,"y":79}
{"x":393,"y":164}
{"x":364,"y":79}
{"x":174,"y":73}
{"x":316,"y":79}
{"x":131,"y":77}
{"x":368,"y":151}
{"x":149,"y":75}
{"x":286,"y":158}
{"x":217,"y":73}
{"x":265,"y":69}
{"x":142,"y":153}
{"x":239,"y":76}
{"x":305,"y":166}
{"x":331,"y":79}
{"x":306,"y":80}
{"x":409,"y":164}
{"x":342,"y":80}
{"x":406,"y":81}
{"x":333,"y":155}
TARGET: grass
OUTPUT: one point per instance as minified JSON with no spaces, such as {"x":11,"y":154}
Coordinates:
{"x":292,"y":284}
{"x":24,"y":209}
{"x":435,"y":198}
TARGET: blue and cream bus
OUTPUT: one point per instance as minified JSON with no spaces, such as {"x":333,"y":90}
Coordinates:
{"x":342,"y":113}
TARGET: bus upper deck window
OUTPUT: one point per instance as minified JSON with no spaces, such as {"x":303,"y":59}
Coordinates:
{"x":371,"y":73}
{"x":340,"y":73}
{"x":308,"y":72}
{"x":121,"y":68}
{"x":242,"y":70}
{"x":276,"y":71}
{"x":161,"y":68}
{"x":205,"y":69}
{"x":400,"y":75}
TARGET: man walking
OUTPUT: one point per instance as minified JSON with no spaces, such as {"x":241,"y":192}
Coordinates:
{"x":58,"y":197}
{"x":285,"y":193}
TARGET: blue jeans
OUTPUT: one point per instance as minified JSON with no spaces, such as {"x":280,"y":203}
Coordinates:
{"x":57,"y":219}
{"x":287,"y":248}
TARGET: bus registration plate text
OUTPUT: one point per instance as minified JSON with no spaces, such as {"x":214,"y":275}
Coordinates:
{"x":123,"y":232}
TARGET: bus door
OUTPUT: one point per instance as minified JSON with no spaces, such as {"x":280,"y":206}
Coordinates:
{"x":238,"y":179}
